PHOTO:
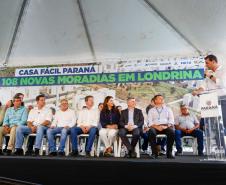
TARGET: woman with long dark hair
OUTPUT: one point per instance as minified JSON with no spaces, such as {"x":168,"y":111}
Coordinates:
{"x":109,"y":119}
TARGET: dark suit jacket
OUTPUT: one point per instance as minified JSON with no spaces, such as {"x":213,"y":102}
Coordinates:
{"x":138,"y":118}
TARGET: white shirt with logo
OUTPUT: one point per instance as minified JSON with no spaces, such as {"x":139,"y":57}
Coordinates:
{"x":38,"y":116}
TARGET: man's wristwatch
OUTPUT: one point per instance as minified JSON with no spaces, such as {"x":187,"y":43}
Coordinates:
{"x":211,"y":76}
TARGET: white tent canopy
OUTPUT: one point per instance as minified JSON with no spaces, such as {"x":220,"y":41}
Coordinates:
{"x":37,"y":32}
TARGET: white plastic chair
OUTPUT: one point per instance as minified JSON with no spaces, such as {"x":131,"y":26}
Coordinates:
{"x":137,"y":147}
{"x":161,"y":136}
{"x":115,"y":147}
{"x":158,"y":136}
{"x":194,"y":143}
{"x":8,"y":135}
{"x":82,"y":145}
{"x":26,"y":138}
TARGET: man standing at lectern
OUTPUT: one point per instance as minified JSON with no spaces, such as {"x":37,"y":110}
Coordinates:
{"x":215,"y":79}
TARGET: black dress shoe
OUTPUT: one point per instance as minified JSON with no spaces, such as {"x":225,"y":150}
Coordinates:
{"x":8,"y":152}
{"x":1,"y":153}
{"x":127,"y":156}
{"x":19,"y":152}
{"x":88,"y":154}
{"x":201,"y":154}
{"x":36,"y":153}
{"x":74,"y":153}
{"x":61,"y":154}
{"x":178,"y":153}
{"x":170,"y":156}
{"x":29,"y":153}
{"x":133,"y":154}
{"x":52,"y":154}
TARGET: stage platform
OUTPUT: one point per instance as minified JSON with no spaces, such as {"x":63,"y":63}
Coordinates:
{"x":67,"y":170}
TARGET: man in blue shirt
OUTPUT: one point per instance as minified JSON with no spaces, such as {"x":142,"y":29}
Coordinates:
{"x":14,"y":116}
{"x":161,"y":121}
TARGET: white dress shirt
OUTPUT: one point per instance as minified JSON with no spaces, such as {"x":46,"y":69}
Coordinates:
{"x":163,"y":115}
{"x":64,"y":118}
{"x":38,"y":116}
{"x":88,"y":117}
{"x":130,"y":118}
{"x":220,"y":85}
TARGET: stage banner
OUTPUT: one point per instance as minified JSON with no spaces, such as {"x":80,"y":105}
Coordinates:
{"x":173,"y":77}
{"x":128,"y":71}
{"x":97,"y":78}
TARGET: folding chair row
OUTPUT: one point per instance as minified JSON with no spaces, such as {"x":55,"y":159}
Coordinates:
{"x":117,"y":145}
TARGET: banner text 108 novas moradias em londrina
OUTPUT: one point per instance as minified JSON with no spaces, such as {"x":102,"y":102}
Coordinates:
{"x":97,"y":78}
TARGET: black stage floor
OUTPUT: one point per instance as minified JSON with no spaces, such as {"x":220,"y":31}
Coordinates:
{"x":66,"y":170}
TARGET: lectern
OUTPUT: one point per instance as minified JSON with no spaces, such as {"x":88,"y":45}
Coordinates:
{"x":210,"y":106}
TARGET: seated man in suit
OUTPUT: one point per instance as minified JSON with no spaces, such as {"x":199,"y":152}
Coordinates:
{"x":161,"y":121}
{"x":131,"y":122}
